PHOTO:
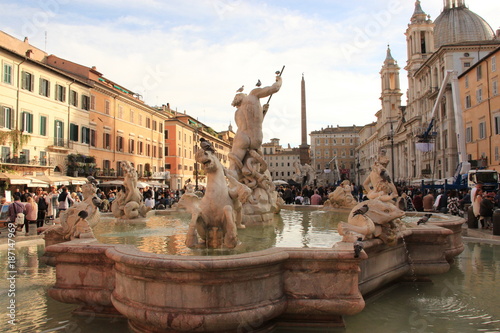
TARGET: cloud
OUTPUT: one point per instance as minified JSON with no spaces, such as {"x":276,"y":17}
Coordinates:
{"x":194,"y":54}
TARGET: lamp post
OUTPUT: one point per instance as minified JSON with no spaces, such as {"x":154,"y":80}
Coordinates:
{"x":392,"y":152}
{"x":195,"y":162}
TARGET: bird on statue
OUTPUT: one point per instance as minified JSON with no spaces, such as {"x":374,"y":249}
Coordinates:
{"x":424,"y":219}
{"x":385,"y":176}
{"x":240,"y":89}
{"x":206,"y":146}
{"x":258,"y":84}
{"x":360,"y":211}
{"x":358,"y":247}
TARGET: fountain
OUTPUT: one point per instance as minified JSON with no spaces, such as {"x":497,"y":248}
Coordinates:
{"x":256,"y":290}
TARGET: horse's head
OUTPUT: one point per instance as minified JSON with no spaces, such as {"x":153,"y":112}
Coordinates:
{"x":208,"y":160}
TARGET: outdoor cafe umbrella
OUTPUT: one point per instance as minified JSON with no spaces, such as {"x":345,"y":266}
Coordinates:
{"x":279,"y":182}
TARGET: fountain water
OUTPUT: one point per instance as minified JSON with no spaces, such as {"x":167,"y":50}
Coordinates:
{"x":226,"y":293}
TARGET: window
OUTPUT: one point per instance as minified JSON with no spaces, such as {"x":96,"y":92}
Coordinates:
{"x":148,"y":150}
{"x":482,"y":130}
{"x":106,"y":141}
{"x":43,"y":125}
{"x":495,"y":87}
{"x":120,"y":112}
{"x":44,"y":87}
{"x":154,"y":125}
{"x":59,"y":133}
{"x":131,"y":146}
{"x":6,"y":119}
{"x":160,"y":127}
{"x":93,"y":137}
{"x":166,"y":134}
{"x":27,"y":122}
{"x":73,"y":98}
{"x":160,"y":151}
{"x":85,"y":135}
{"x":468,"y":134}
{"x":479,"y":72}
{"x":131,"y":115}
{"x":107,"y":107}
{"x":166,"y":151}
{"x":139,"y":120}
{"x":479,"y":95}
{"x":119,"y":143}
{"x":494,"y":64}
{"x":60,"y":93}
{"x":27,"y":81}
{"x":92,"y":102}
{"x":140,"y":147}
{"x":467,"y":102}
{"x":73,"y":132}
{"x":497,"y":125}
{"x":466,"y":81}
{"x":7,"y":73}
{"x":154,"y":151}
{"x":85,"y":102}
{"x":148,"y":122}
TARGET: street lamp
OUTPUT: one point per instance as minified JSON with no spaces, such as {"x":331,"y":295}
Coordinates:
{"x":391,"y":133}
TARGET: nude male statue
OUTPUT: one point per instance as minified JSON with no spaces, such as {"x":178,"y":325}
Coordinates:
{"x":249,"y":117}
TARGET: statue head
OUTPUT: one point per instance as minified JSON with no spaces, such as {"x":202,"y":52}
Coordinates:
{"x":207,"y":160}
{"x":238,"y":99}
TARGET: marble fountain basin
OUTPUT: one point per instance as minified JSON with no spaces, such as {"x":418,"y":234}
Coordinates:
{"x":253,"y":291}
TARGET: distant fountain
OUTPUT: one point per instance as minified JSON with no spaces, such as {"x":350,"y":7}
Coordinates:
{"x":341,"y":197}
{"x":129,"y":202}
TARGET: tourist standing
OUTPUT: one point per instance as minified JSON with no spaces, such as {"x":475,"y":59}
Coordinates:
{"x":31,"y":212}
{"x":418,"y":202}
{"x":486,"y":211}
{"x":15,"y":208}
{"x":42,"y":202}
{"x":52,"y":201}
{"x":476,"y":201}
{"x":453,"y":203}
{"x":428,"y":202}
{"x":316,"y":199}
{"x":64,"y":200}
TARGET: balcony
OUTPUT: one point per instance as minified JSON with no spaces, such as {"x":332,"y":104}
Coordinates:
{"x":60,"y":145}
{"x":106,"y":173}
{"x":426,"y":172}
{"x":22,"y":160}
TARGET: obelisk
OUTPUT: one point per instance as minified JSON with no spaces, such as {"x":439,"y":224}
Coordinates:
{"x":304,"y":147}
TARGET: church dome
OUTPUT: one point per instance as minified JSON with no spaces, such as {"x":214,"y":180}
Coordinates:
{"x":457,"y":24}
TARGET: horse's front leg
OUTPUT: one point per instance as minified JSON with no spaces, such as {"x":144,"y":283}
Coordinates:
{"x":192,"y":236}
{"x":229,"y":226}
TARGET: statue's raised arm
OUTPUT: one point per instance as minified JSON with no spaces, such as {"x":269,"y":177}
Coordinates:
{"x":267,"y":91}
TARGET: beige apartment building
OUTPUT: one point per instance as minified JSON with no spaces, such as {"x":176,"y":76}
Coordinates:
{"x":182,"y":141}
{"x":280,"y":161}
{"x":481,"y":104}
{"x":333,"y":153}
{"x":121,"y":126}
{"x":37,"y":110}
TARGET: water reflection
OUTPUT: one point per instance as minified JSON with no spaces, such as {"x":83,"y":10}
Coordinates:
{"x":167,"y":234}
{"x":462,"y":300}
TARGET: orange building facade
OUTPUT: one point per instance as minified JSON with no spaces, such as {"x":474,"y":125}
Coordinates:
{"x":480,"y":98}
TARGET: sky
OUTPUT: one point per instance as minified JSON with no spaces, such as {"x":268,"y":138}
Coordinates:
{"x":195,"y":54}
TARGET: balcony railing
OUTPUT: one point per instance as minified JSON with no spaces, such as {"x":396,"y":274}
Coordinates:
{"x":62,"y":143}
{"x":24,"y":161}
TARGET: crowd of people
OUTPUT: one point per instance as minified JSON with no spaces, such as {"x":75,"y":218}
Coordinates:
{"x":451,"y":202}
{"x":41,"y":206}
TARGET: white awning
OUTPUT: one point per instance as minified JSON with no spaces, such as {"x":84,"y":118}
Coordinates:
{"x":14,"y":179}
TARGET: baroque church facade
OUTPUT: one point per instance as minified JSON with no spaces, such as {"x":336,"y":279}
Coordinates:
{"x":455,"y":41}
